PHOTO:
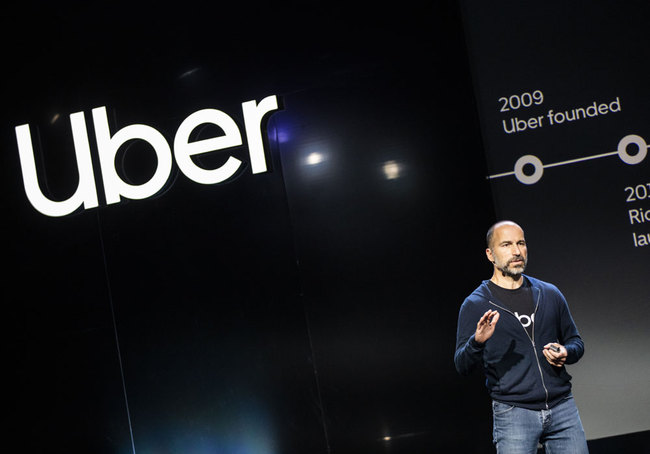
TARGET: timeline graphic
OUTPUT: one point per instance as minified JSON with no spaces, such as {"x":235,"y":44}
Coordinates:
{"x":539,"y":166}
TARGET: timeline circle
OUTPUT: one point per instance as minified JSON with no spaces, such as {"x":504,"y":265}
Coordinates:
{"x":535,"y":162}
{"x":625,"y":156}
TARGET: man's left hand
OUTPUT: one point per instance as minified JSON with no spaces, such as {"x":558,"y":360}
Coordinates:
{"x":556,"y":359}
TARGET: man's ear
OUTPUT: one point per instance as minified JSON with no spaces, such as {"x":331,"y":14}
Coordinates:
{"x":488,"y":253}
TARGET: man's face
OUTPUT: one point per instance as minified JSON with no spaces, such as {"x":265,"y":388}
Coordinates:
{"x":508,"y":250}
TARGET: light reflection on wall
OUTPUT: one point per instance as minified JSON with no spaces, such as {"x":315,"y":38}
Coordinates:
{"x":316,"y":161}
{"x":314,"y":158}
{"x":249,"y":430}
{"x":392,"y":170}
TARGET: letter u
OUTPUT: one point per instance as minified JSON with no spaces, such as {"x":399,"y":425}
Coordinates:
{"x":512,"y":126}
{"x":86,"y":192}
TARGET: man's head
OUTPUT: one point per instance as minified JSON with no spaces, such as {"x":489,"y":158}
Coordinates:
{"x":506,"y":248}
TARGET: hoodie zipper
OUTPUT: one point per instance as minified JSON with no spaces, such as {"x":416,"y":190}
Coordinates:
{"x":532,"y":341}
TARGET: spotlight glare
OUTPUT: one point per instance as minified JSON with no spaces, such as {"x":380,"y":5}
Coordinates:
{"x":314,"y":158}
{"x":391,"y":170}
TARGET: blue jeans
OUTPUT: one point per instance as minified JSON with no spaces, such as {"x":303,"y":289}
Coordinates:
{"x":519,"y":430}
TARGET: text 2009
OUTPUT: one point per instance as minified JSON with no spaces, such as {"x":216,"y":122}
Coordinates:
{"x":521,"y":101}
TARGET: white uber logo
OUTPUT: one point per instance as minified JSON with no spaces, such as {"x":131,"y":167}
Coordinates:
{"x":108,"y":145}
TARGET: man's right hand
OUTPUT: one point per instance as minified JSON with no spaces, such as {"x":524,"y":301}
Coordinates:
{"x":485,"y":326}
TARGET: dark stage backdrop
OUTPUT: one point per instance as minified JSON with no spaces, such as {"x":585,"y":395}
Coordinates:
{"x":564,"y":103}
{"x":307,"y":308}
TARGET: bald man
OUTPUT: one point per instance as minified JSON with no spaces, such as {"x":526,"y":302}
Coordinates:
{"x":520,"y":331}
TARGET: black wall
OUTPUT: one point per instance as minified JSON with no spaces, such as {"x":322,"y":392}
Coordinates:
{"x":311,"y":308}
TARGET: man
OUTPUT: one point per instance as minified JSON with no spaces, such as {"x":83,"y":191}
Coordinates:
{"x":520,"y":330}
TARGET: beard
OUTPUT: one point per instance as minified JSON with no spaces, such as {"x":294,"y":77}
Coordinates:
{"x":513,"y":271}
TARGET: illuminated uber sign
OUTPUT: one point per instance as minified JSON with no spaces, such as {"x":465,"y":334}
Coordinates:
{"x":108,"y":146}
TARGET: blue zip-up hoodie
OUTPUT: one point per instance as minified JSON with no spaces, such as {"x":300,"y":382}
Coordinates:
{"x":516,"y":370}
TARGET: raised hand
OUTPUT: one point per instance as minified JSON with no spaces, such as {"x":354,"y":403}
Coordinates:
{"x":485,"y":326}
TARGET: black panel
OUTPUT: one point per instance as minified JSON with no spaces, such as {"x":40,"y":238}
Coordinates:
{"x":311,"y":308}
{"x":583,"y":221}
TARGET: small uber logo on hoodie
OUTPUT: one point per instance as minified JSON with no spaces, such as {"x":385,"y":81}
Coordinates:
{"x":525,"y":320}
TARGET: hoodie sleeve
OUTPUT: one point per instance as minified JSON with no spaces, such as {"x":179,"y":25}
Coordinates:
{"x":570,"y":337}
{"x":469,"y":353}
